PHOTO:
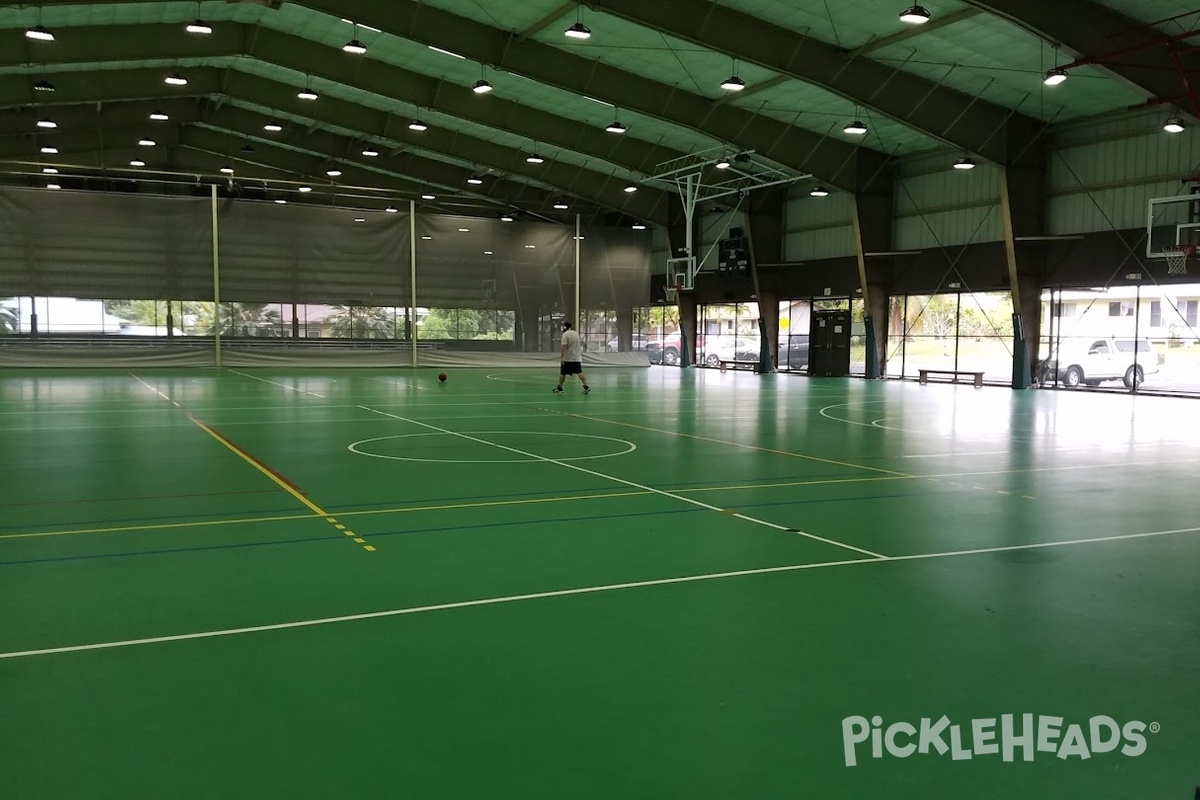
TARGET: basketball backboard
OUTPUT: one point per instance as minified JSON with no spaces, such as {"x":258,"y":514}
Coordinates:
{"x":1170,"y":223}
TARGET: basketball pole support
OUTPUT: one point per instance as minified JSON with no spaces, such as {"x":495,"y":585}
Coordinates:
{"x":1020,"y":373}
{"x":871,"y":367}
{"x":412,"y":268}
{"x":216,"y":261}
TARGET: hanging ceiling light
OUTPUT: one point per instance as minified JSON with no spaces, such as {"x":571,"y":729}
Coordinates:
{"x":360,"y":219}
{"x":417,"y":125}
{"x":578,"y":31}
{"x":175,"y":79}
{"x":47,"y":123}
{"x":856,"y":128}
{"x":534,"y":158}
{"x":370,"y":152}
{"x":354,"y":45}
{"x":39,"y":34}
{"x":428,"y":197}
{"x":630,"y":189}
{"x":159,"y":116}
{"x":723,"y":163}
{"x":475,"y":180}
{"x":1055,"y":76}
{"x":199,"y":26}
{"x":561,"y":206}
{"x":506,"y":217}
{"x":392,"y":210}
{"x":915,"y":15}
{"x":333,"y":172}
{"x":272,"y":127}
{"x":147,"y":143}
{"x":966,"y":162}
{"x":481,"y":87}
{"x":304,"y":189}
{"x":307,"y":94}
{"x":226,"y":170}
{"x":49,"y":170}
{"x":53,"y":186}
{"x":137,"y":162}
{"x":1174,"y":125}
{"x":281,"y":202}
{"x":819,"y":191}
{"x":43,"y":86}
{"x":733,"y":84}
{"x":637,"y":226}
{"x":48,"y":150}
{"x":615,"y":127}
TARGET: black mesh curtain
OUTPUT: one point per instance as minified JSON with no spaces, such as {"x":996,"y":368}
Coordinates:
{"x":312,"y":254}
{"x":110,"y":245}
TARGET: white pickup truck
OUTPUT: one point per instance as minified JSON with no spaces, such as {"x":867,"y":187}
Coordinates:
{"x":1091,"y":361}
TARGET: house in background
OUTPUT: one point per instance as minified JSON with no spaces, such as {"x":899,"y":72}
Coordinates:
{"x":1163,"y":314}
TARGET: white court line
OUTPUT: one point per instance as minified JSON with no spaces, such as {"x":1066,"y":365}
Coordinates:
{"x":612,"y":587}
{"x":274,"y":383}
{"x":643,"y":487}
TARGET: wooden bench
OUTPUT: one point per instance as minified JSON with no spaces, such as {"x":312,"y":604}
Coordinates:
{"x":731,"y":364}
{"x":953,"y":373}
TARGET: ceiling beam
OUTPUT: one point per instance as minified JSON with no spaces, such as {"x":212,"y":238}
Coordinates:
{"x":805,"y":151}
{"x":1095,"y":32}
{"x":952,"y":117}
{"x":130,"y":43}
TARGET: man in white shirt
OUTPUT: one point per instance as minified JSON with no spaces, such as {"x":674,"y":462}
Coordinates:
{"x":571,"y":355}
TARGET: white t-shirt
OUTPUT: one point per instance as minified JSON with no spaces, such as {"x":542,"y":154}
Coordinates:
{"x":574,"y":348}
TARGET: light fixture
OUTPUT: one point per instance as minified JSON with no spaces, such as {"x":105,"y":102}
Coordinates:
{"x":615,"y":127}
{"x":637,"y":226}
{"x":578,"y":31}
{"x":819,"y":191}
{"x":304,"y":189}
{"x":43,"y":86}
{"x":199,"y":26}
{"x":915,"y":15}
{"x":427,"y":238}
{"x":392,"y":210}
{"x":1055,"y":76}
{"x":39,"y":34}
{"x":49,"y":170}
{"x":964,"y":163}
{"x":561,"y":206}
{"x":428,"y":197}
{"x":273,"y":127}
{"x":370,"y":152}
{"x":360,"y":219}
{"x":53,"y":186}
{"x":487,"y":252}
{"x":307,"y":94}
{"x":226,"y":170}
{"x":334,"y":172}
{"x":354,"y":45}
{"x":856,"y":128}
{"x":281,"y":202}
{"x":530,"y":246}
{"x":48,"y":150}
{"x":733,"y":84}
{"x":146,"y":143}
{"x":159,"y":116}
{"x":630,"y":189}
{"x":1174,"y":125}
{"x":137,"y":162}
{"x":417,"y":125}
{"x":722,"y":163}
{"x":175,"y":79}
{"x":464,"y":230}
{"x":481,"y":87}
{"x":506,"y":217}
{"x":534,"y":158}
{"x":475,"y":180}
{"x":46,"y":123}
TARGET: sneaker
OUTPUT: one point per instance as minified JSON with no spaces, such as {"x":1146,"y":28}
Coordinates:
{"x":587,"y":390}
{"x":557,"y":390}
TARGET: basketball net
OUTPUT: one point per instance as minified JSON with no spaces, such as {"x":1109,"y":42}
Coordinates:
{"x":1177,"y":259}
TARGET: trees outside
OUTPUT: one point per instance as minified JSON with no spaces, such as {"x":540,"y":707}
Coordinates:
{"x":450,"y":323}
{"x":10,"y":322}
{"x":362,"y":322}
{"x":241,"y":319}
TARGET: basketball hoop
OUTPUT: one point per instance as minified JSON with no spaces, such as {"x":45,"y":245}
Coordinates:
{"x":672,"y":293}
{"x":1177,"y":258}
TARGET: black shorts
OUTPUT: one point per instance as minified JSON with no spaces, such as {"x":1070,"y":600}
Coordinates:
{"x":571,"y":368}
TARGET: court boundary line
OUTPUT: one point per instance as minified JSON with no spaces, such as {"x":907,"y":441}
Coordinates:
{"x":604,"y":476}
{"x":275,"y":383}
{"x":583,"y":590}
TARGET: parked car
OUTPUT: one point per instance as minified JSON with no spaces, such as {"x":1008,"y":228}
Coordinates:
{"x":1093,"y":361}
{"x":793,"y":352}
{"x":640,"y":342}
{"x":729,"y":348}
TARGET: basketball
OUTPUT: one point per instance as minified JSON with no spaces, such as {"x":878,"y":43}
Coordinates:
{"x":442,"y":377}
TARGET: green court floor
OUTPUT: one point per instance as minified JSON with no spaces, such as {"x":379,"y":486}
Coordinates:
{"x":253,"y":583}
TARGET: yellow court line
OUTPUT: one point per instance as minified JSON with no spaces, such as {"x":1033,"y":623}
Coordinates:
{"x":313,"y":507}
{"x":442,"y":507}
{"x":734,"y":444}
